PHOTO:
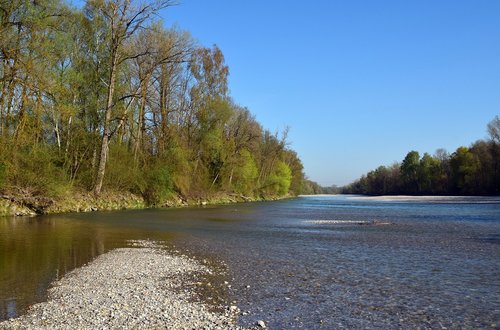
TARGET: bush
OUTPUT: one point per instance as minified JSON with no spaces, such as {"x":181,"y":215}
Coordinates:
{"x":122,"y":171}
{"x":159,"y":185}
{"x":3,"y":174}
{"x":35,"y":170}
{"x":176,"y":159}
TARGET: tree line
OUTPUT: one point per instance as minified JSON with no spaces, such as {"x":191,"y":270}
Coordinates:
{"x":473,"y":170}
{"x":106,"y":97}
{"x":310,"y":187}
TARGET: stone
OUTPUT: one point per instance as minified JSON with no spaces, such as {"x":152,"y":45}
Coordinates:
{"x":127,"y":288}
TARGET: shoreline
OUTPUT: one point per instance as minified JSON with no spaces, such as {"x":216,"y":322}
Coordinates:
{"x":20,"y":205}
{"x":142,"y":286}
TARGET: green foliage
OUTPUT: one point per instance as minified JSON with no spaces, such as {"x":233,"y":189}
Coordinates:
{"x":177,"y":160}
{"x":429,"y":174}
{"x":123,"y":174}
{"x":409,"y":171}
{"x":3,"y":174}
{"x":213,"y":150}
{"x":279,"y":181}
{"x":245,"y":174}
{"x":464,"y":166}
{"x":296,"y":167}
{"x":36,"y":169}
{"x":468,"y":171}
{"x":488,"y":170}
{"x":102,"y":94}
{"x":159,"y":185}
{"x":311,"y":188}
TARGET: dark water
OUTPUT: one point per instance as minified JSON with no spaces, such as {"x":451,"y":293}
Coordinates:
{"x":292,"y":263}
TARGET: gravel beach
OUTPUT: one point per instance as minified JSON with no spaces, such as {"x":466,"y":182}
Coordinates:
{"x":137,"y":287}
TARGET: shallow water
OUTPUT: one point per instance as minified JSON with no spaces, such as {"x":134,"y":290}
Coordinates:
{"x":310,"y":262}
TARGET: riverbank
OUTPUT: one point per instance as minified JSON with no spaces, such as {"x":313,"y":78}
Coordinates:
{"x":19,"y":204}
{"x":136,"y":287}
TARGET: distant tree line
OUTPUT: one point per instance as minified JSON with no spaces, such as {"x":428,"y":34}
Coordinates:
{"x":313,"y":188}
{"x":473,"y":170}
{"x":107,"y":98}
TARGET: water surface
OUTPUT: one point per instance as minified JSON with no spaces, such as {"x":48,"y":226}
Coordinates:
{"x":309,"y":262}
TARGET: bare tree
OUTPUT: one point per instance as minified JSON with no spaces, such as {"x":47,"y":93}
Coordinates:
{"x":494,"y":129}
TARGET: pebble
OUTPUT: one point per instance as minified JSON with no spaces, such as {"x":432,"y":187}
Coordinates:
{"x":261,"y":324}
{"x":123,"y":289}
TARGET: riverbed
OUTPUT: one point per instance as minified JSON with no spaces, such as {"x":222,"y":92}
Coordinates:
{"x":311,"y":262}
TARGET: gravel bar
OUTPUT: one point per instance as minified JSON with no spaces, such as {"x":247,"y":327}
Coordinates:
{"x":132,"y":288}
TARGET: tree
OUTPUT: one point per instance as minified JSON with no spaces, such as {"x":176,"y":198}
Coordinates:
{"x":293,"y":161}
{"x":242,"y":133}
{"x":107,"y":97}
{"x":409,"y":172}
{"x":311,"y":188}
{"x":494,"y":129}
{"x":468,"y":171}
{"x":430,"y":175}
{"x":28,"y":34}
{"x":244,"y":173}
{"x":123,"y":18}
{"x":210,"y":110}
{"x":278,"y":183}
{"x":486,"y":153}
{"x":494,"y":132}
{"x":464,"y":165}
{"x":155,"y":74}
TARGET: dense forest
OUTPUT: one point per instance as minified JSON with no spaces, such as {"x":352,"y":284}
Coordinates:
{"x":106,"y":98}
{"x":473,"y":170}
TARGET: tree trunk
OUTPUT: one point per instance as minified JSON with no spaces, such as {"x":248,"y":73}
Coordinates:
{"x":20,"y":115}
{"x":106,"y":131}
{"x":141,"y":121}
{"x":231,"y":177}
{"x":163,"y":107}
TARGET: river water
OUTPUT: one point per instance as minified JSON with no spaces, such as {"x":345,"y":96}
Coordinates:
{"x":314,"y":262}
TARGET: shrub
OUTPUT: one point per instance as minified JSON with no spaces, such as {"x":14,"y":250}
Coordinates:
{"x":122,"y":171}
{"x":35,"y":170}
{"x":159,"y":185}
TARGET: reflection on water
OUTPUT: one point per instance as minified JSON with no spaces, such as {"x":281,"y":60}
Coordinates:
{"x":313,"y":262}
{"x":36,"y":251}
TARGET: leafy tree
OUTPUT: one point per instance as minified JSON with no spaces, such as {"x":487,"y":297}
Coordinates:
{"x":278,"y":183}
{"x":494,"y":148}
{"x":123,"y":19}
{"x":409,"y":172}
{"x":429,"y":175}
{"x":311,"y":188}
{"x":464,"y":165}
{"x":106,"y":98}
{"x":468,"y":171}
{"x":244,"y":174}
{"x":294,"y":163}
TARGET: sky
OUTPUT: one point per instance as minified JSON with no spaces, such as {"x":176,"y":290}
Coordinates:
{"x":359,"y":83}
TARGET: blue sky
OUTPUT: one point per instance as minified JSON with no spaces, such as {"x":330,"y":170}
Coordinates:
{"x":359,"y":83}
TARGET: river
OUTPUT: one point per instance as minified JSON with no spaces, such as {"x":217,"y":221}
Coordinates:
{"x":310,"y":262}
